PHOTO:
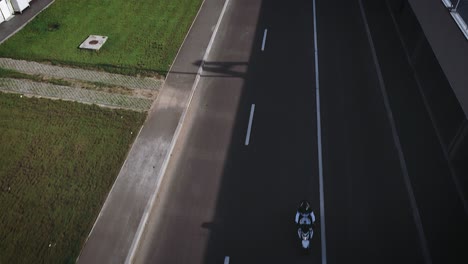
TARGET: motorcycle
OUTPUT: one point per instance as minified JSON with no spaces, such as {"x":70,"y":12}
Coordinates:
{"x":305,"y":233}
{"x":305,"y":220}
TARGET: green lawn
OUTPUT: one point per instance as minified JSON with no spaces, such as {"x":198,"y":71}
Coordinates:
{"x":58,"y":161}
{"x":144,"y":35}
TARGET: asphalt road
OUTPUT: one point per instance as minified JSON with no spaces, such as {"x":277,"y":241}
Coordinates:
{"x":221,"y":197}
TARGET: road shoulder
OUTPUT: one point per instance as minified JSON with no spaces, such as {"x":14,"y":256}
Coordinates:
{"x":115,"y":228}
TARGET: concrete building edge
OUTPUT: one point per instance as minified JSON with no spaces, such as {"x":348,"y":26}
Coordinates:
{"x":447,"y":151}
{"x":431,"y":40}
{"x":461,"y":135}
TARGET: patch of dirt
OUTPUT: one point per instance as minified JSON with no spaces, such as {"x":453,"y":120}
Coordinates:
{"x":140,"y":93}
{"x":150,"y":94}
{"x":53,"y":26}
{"x":143,"y":73}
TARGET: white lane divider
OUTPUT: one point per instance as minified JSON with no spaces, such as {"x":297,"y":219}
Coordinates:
{"x":226,"y":260}
{"x":319,"y":145}
{"x":249,"y":128}
{"x":264,"y":39}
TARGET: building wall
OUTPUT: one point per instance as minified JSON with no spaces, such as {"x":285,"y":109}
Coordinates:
{"x":442,"y":101}
{"x":439,"y":69}
{"x":7,"y":10}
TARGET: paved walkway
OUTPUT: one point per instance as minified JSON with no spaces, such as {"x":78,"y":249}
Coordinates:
{"x":75,"y":94}
{"x":137,"y":102}
{"x":59,"y":72}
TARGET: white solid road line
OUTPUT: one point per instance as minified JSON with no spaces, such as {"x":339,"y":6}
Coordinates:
{"x":264,"y":39}
{"x":319,"y":145}
{"x":396,"y":139}
{"x":249,"y":128}
{"x":226,"y":260}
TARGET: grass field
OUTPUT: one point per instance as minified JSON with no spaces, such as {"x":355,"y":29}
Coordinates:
{"x":144,"y":35}
{"x":58,"y":160}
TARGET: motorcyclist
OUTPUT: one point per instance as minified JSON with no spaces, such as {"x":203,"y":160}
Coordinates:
{"x":305,"y":211}
{"x":305,"y":220}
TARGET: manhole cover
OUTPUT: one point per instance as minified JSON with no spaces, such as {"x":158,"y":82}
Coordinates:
{"x":93,"y":42}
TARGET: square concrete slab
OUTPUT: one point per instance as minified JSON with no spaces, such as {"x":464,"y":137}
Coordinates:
{"x":93,"y":42}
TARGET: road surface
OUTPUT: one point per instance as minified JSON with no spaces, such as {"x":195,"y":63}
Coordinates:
{"x":238,"y":172}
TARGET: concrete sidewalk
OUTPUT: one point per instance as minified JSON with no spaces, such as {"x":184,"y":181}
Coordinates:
{"x":113,"y":233}
{"x":9,"y":28}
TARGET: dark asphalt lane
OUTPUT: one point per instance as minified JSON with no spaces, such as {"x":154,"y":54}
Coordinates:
{"x":263,"y":182}
{"x":368,"y":213}
{"x":221,"y":198}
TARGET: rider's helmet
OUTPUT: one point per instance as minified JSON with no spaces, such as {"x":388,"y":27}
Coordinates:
{"x":304,"y":207}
